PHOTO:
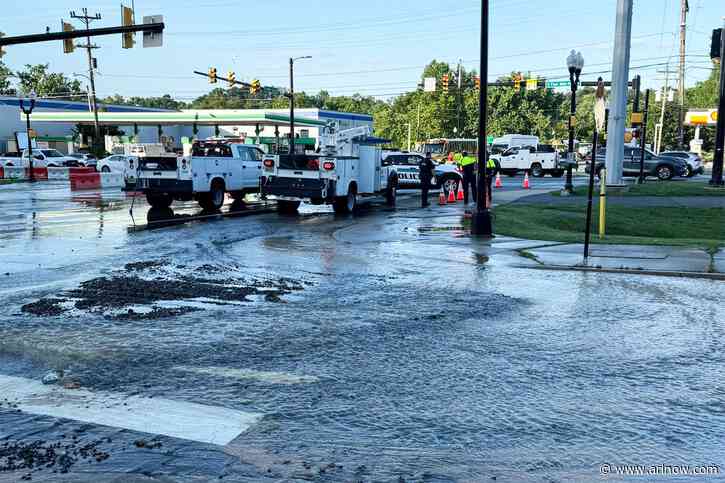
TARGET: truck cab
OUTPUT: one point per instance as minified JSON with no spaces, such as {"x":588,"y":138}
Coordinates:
{"x":42,"y":158}
{"x":215,"y":168}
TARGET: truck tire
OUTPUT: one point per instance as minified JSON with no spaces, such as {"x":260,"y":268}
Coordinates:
{"x":105,"y":169}
{"x":664,"y":172}
{"x":391,"y":193}
{"x":159,"y":200}
{"x":214,"y":199}
{"x":344,"y":205}
{"x":537,"y":171}
{"x":287,"y":207}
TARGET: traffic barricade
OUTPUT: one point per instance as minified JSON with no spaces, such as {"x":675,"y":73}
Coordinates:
{"x":15,"y":172}
{"x":85,"y":181}
{"x":81,"y":170}
{"x":2,"y":172}
{"x":59,"y":173}
{"x":112,"y":180}
{"x":40,"y":173}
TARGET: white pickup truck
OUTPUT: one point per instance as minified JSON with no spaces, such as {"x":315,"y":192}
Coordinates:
{"x":215,"y":167}
{"x":347,"y":169}
{"x":42,"y":158}
{"x":536,"y":160}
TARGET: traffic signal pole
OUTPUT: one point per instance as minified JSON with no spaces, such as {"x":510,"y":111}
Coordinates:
{"x":482,"y":223}
{"x":643,"y":138}
{"x":717,"y":163}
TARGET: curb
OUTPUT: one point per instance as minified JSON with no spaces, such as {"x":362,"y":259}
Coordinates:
{"x":630,"y":271}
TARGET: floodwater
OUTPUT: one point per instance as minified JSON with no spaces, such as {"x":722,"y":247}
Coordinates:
{"x":395,"y":348}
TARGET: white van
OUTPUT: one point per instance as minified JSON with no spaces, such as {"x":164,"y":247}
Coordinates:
{"x":503,"y":143}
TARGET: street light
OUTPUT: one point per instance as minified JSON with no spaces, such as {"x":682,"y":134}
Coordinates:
{"x":292,"y":103}
{"x":30,"y":99}
{"x":575,"y":63}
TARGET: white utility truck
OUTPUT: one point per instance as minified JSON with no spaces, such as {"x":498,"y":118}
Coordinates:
{"x":216,"y":167}
{"x":536,"y":160}
{"x":42,"y":158}
{"x":347,"y":168}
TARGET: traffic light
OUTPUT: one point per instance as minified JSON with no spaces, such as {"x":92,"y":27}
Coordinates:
{"x":212,"y":75}
{"x":68,"y":45}
{"x":715,"y":47}
{"x":477,"y":82}
{"x":517,"y":82}
{"x":231,"y":78}
{"x":444,"y":80}
{"x":255,"y":87}
{"x":126,"y":20}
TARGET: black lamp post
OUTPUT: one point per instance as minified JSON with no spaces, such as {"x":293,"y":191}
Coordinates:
{"x":28,"y":112}
{"x":575,"y":63}
{"x":292,"y":104}
{"x":482,"y":221}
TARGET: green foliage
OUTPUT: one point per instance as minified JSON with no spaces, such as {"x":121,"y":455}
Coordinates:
{"x":47,"y":84}
{"x":163,"y":102}
{"x":5,"y":86}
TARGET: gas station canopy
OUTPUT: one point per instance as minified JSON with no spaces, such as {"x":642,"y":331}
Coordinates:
{"x":190,"y":117}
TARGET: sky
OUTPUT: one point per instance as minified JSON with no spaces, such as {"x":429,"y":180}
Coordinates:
{"x":376,"y":47}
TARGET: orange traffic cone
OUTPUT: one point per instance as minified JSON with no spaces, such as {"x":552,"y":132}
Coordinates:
{"x":451,"y":196}
{"x":442,"y":197}
{"x":460,"y":196}
{"x":499,"y":184}
{"x":526,"y":184}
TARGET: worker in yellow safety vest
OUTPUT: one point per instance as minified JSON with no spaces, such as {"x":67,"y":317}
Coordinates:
{"x":468,"y":164}
{"x":491,"y":172}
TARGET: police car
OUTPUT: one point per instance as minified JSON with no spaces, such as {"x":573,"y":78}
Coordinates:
{"x":407,"y":164}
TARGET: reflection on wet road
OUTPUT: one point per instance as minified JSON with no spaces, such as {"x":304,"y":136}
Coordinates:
{"x":394,"y":347}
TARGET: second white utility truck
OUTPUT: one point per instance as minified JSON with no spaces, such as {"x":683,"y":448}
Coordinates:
{"x":347,"y":168}
{"x":215,"y":168}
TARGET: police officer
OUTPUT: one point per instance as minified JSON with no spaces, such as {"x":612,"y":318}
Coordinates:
{"x":426,"y":168}
{"x":467,"y":164}
{"x":491,"y":172}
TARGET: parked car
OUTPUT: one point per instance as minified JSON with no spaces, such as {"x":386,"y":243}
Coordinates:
{"x":85,"y":159}
{"x":694,"y":162}
{"x":120,"y":163}
{"x":42,"y":158}
{"x":661,"y":167}
{"x":406,"y":165}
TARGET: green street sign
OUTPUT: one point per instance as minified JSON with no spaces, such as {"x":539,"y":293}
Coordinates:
{"x":554,"y":84}
{"x":489,"y":139}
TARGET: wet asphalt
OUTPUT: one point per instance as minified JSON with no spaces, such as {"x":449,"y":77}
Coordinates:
{"x":385,"y":346}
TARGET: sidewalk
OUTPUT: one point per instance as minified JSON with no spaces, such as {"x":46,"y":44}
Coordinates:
{"x":639,"y":259}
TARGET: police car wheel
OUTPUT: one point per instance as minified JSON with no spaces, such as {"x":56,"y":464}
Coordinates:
{"x":449,"y":184}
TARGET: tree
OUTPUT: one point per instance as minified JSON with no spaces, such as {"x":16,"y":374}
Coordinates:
{"x":47,"y":84}
{"x":5,"y":86}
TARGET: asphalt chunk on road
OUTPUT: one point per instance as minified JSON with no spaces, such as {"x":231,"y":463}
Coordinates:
{"x":144,"y":291}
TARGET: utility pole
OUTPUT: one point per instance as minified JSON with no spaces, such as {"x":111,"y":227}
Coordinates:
{"x":620,"y":86}
{"x":91,"y":72}
{"x":684,"y":8}
{"x":460,"y":95}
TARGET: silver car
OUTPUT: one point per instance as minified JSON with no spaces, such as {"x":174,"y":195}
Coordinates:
{"x":694,"y":162}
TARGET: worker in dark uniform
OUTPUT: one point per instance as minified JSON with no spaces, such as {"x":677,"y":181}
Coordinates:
{"x":468,"y":165}
{"x":425,"y":175}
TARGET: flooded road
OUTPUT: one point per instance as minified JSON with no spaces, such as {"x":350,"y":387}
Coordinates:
{"x":388,"y":346}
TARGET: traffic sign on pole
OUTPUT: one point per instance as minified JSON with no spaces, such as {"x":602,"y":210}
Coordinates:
{"x":555,"y":84}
